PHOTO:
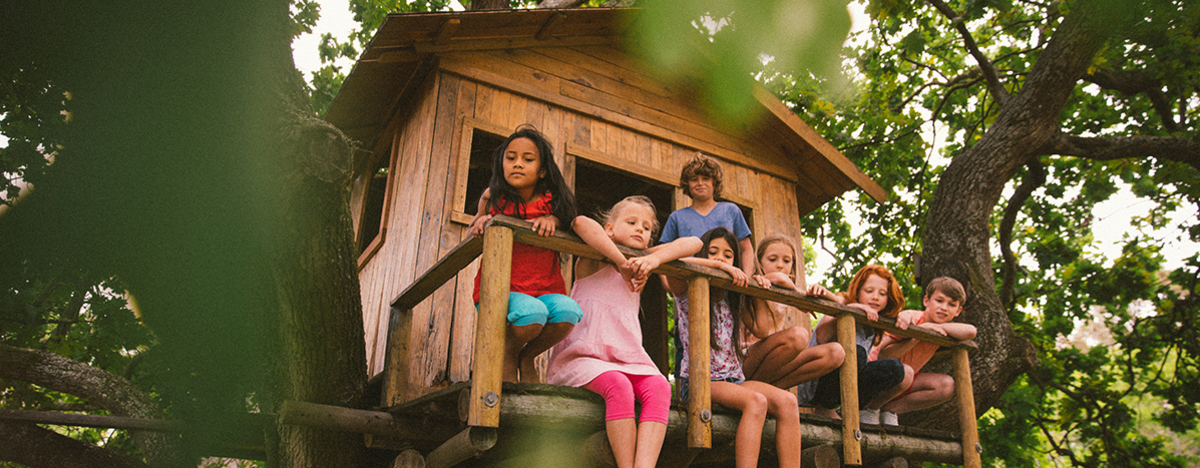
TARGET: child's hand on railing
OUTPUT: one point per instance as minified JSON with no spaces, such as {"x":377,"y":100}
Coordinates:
{"x":545,"y":225}
{"x":936,"y":327}
{"x":629,"y":273}
{"x":642,"y":266}
{"x":740,"y":279}
{"x":762,"y":281}
{"x":477,"y":224}
{"x":872,"y":314}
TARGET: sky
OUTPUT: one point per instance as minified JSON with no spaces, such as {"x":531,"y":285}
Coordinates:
{"x":1112,"y":218}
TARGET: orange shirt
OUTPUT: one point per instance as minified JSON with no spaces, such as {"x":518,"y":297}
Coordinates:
{"x":920,"y":353}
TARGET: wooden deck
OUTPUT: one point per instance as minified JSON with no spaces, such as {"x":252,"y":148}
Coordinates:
{"x":549,"y":425}
{"x":487,"y":422}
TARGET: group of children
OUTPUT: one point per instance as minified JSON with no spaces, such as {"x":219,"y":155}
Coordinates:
{"x":596,"y":336}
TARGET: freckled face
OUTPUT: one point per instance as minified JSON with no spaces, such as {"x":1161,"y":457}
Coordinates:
{"x":631,"y":226}
{"x":522,"y":164}
{"x":720,"y":250}
{"x":940,"y":308}
{"x":874,"y":292}
{"x":778,"y":257}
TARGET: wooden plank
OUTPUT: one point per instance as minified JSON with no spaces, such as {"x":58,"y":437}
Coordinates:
{"x":965,"y":396}
{"x":405,"y":235}
{"x":409,"y":459}
{"x":629,"y":74}
{"x":633,"y":168}
{"x":521,"y":80}
{"x":490,"y":327}
{"x":851,"y":432}
{"x":441,"y":272}
{"x":397,"y":382}
{"x":447,"y":31}
{"x":549,"y":28}
{"x":462,"y":336}
{"x":700,"y":396}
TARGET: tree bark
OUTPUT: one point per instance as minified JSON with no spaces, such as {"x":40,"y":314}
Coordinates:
{"x":110,"y":391}
{"x":958,"y":237}
{"x":319,"y":333}
{"x":35,"y":447}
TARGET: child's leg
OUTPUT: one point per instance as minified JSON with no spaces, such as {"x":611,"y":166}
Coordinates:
{"x":654,"y":392}
{"x":753,"y":406}
{"x":880,"y":381}
{"x":927,"y":391}
{"x":526,"y":318}
{"x":782,"y":405}
{"x":622,"y":431}
{"x":774,"y":357}
{"x":784,"y":365}
{"x":562,"y":313}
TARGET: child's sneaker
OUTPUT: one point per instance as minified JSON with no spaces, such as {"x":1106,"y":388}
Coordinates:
{"x":889,"y":418}
{"x":868,"y":416}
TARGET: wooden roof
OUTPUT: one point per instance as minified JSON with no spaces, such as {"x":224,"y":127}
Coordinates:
{"x":407,"y":46}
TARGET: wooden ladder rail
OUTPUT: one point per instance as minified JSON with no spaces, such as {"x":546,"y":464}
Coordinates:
{"x":508,"y":230}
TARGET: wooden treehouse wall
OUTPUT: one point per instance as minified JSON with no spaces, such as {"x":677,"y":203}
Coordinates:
{"x":591,"y":104}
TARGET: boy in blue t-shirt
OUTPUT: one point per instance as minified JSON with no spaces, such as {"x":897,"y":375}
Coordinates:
{"x":700,"y":179}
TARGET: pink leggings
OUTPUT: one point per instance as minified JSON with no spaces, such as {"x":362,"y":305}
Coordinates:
{"x":619,"y":390}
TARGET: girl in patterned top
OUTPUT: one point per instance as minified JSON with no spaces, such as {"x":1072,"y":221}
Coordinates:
{"x":728,"y":313}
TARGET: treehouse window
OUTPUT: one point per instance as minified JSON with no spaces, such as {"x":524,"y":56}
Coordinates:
{"x":478,"y":146}
{"x":372,"y":218}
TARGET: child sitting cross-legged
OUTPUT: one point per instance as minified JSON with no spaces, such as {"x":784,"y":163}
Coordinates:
{"x":944,"y":298}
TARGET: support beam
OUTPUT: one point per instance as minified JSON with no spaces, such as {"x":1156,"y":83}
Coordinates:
{"x":699,"y":391}
{"x":965,"y":394}
{"x":471,"y":442}
{"x":489,"y":327}
{"x":851,"y":431}
{"x":88,"y":420}
{"x":336,"y":418}
{"x":409,"y":459}
{"x":821,"y":456}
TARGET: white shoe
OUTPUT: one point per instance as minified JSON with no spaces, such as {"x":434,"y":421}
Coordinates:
{"x":889,"y":418}
{"x":868,"y":416}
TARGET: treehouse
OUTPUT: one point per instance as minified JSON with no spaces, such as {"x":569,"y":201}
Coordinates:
{"x":432,"y":96}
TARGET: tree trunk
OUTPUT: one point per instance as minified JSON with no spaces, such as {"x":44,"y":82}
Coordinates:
{"x":958,"y":234}
{"x":322,"y":355}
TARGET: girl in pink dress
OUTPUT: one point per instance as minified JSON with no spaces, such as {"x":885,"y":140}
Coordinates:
{"x":604,"y":352}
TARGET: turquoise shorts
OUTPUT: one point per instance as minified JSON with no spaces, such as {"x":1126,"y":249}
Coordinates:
{"x":524,"y":309}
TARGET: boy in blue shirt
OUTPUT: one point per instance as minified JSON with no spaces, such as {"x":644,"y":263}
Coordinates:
{"x":700,"y":179}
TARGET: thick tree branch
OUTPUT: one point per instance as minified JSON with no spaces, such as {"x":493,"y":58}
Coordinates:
{"x":1120,"y":147}
{"x":111,"y":392}
{"x":1137,"y":82}
{"x":33,"y":446}
{"x":985,"y":66}
{"x":1033,"y":179}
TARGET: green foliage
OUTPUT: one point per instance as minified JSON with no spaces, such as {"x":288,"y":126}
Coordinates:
{"x":1118,"y":403}
{"x":724,"y":43}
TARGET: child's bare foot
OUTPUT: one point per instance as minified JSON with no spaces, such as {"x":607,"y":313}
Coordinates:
{"x":827,"y":412}
{"x":529,"y":371}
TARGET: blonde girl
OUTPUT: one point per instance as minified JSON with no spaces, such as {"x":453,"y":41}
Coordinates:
{"x":604,"y":352}
{"x":784,"y":358}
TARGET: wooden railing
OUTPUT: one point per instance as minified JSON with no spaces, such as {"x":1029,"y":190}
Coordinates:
{"x":496,"y":249}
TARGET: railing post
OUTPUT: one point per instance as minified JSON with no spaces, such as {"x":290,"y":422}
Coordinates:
{"x":699,"y":354}
{"x":484,"y":406}
{"x":851,"y":432}
{"x":966,"y":409}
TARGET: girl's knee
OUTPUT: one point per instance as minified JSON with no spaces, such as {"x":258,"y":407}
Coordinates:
{"x":795,"y":337}
{"x":756,"y":406}
{"x":525,"y":310}
{"x":833,"y":353}
{"x":561,"y":309}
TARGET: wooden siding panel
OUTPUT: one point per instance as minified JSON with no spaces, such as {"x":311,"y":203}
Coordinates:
{"x":431,"y":361}
{"x":462,"y":337}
